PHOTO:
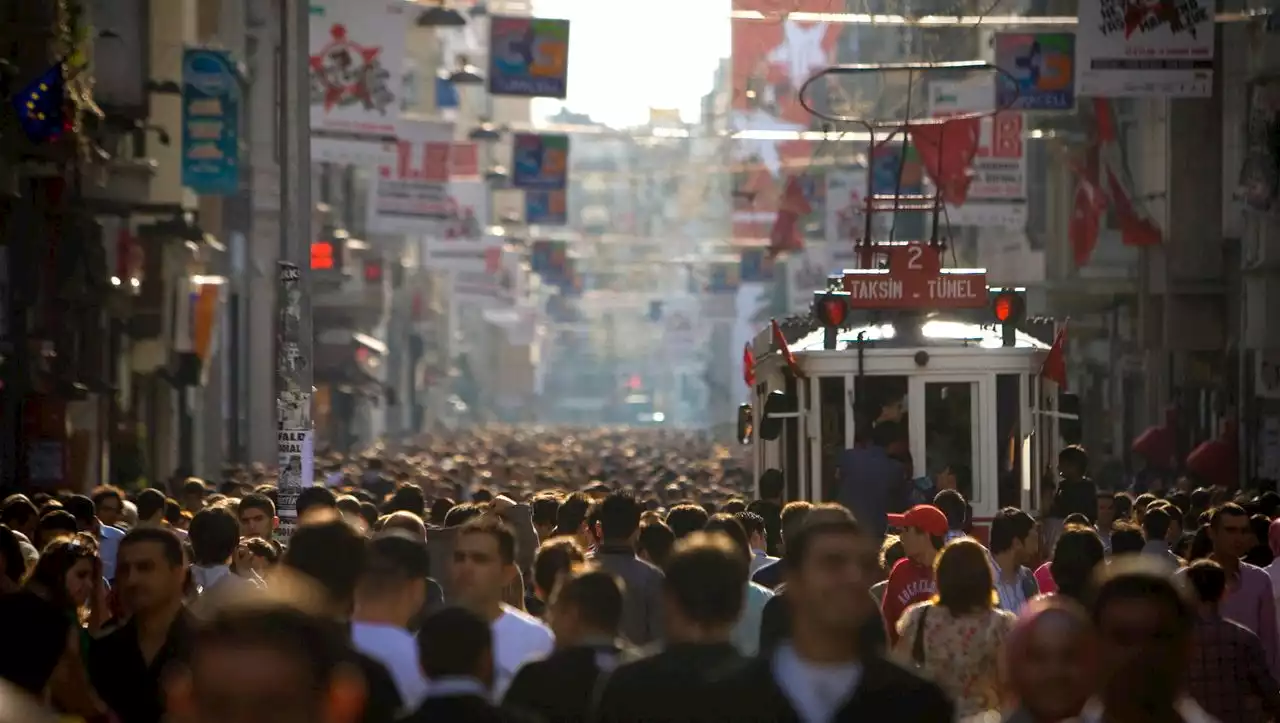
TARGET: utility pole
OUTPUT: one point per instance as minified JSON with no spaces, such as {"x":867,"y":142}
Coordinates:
{"x":294,"y":434}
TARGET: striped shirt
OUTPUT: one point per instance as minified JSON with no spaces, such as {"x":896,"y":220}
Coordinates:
{"x":1012,"y":594}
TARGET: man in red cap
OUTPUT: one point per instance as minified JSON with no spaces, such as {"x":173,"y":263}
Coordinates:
{"x":923,"y":532}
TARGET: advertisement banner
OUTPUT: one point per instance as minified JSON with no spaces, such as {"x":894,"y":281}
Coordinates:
{"x":529,"y":58}
{"x":1041,"y":71}
{"x":459,"y":241}
{"x":756,"y":266}
{"x":546,"y":208}
{"x":549,"y":259}
{"x":409,"y":195}
{"x":997,"y":195}
{"x":357,"y":64}
{"x":210,"y":122}
{"x":771,"y":59}
{"x":540,"y":161}
{"x":1145,"y":49}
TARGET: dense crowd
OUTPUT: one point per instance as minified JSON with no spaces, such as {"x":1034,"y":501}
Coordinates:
{"x":631,"y":576}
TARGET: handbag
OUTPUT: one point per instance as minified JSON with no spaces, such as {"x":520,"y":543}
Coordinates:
{"x":917,"y":645}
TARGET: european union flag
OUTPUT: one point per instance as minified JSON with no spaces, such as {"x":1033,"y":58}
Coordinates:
{"x":39,"y":105}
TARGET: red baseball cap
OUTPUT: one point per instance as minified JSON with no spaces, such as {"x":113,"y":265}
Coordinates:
{"x":926,"y":518}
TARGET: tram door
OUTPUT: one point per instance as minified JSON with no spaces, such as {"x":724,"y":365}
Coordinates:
{"x":947,"y":421}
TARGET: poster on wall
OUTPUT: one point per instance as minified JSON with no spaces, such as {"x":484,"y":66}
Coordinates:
{"x":210,"y":122}
{"x":540,"y":161}
{"x":546,"y":208}
{"x":357,"y":64}
{"x":1039,"y":71}
{"x":529,"y":57}
{"x":1145,"y":50}
{"x":409,"y":194}
{"x":997,"y":196}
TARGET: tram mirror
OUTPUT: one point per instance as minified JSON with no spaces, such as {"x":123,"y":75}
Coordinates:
{"x":746,"y":424}
{"x":777,"y":403}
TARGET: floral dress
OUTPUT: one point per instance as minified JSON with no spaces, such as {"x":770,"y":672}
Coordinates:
{"x":961,"y":653}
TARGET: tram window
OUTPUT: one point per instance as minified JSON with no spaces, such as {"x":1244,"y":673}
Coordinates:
{"x":791,"y":446}
{"x":833,"y":403}
{"x":1009,"y":435}
{"x":949,"y":409}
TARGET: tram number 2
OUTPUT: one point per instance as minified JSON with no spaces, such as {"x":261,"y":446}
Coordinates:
{"x":914,"y":258}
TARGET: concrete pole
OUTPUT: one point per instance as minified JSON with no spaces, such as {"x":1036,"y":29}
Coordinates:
{"x":294,"y":434}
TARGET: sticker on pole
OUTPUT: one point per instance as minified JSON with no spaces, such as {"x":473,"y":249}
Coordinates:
{"x":294,"y":450}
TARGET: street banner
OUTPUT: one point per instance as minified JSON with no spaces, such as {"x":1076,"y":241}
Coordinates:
{"x":357,"y":80}
{"x":458,"y":241}
{"x":549,"y":259}
{"x":724,"y":278}
{"x":997,"y":195}
{"x":771,"y":59}
{"x":529,"y":57}
{"x":210,"y":122}
{"x":755,"y":266}
{"x":409,"y":194}
{"x":1041,"y":72}
{"x":1147,"y":49}
{"x":546,"y":208}
{"x":540,"y":161}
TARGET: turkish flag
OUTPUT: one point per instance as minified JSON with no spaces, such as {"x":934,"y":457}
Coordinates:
{"x":947,"y":149}
{"x":780,"y":341}
{"x":1086,"y":218}
{"x":792,"y":208}
{"x":748,"y":366}
{"x":1055,"y":364}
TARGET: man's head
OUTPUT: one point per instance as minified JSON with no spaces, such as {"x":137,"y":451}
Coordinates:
{"x":330,"y":553}
{"x":151,"y":507}
{"x":754,"y":526}
{"x":1013,"y":531}
{"x":555,"y":558}
{"x":484,"y":557}
{"x":1144,"y":615}
{"x":316,"y":499}
{"x":792,"y":518}
{"x":1209,"y":581}
{"x":214,"y":534}
{"x":82,"y":508}
{"x":1156,"y":523}
{"x":1229,"y":531}
{"x":587,"y":605}
{"x":194,"y":491}
{"x":54,"y":524}
{"x":1073,"y":462}
{"x":703,"y":587}
{"x":545,"y":509}
{"x":886,"y":433}
{"x":924,"y":529}
{"x":150,"y":569}
{"x":393,"y":585}
{"x":1126,"y":538}
{"x":109,"y":503}
{"x":654,"y":543}
{"x":830,"y":566}
{"x":1106,"y":509}
{"x":571,"y":517}
{"x":257,"y":516}
{"x":772,"y":485}
{"x":619,"y":518}
{"x":685,"y":519}
{"x":267,"y":661}
{"x":456,"y":643}
{"x":953,"y":505}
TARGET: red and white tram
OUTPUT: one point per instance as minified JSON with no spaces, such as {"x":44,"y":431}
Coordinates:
{"x":933,"y":348}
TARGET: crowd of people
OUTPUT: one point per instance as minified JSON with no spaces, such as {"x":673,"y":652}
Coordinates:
{"x":631,"y":576}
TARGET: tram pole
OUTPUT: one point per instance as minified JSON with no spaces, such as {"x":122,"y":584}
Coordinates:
{"x":294,"y":434}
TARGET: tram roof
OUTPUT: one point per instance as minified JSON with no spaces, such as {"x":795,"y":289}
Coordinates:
{"x":933,"y":333}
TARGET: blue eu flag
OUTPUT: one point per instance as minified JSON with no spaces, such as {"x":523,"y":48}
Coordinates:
{"x":39,"y":105}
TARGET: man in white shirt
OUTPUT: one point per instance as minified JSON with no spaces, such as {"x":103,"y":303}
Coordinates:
{"x":484,"y":563}
{"x":757,"y":537}
{"x":83,"y":509}
{"x":391,"y":592}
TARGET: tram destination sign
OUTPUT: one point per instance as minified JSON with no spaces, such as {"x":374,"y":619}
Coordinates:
{"x":915,"y":279}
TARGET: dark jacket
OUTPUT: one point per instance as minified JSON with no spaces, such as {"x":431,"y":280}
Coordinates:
{"x":1075,"y":496}
{"x":463,"y":709}
{"x":561,"y":687}
{"x":669,"y":686}
{"x":775,"y":627}
{"x":642,"y":593}
{"x":869,"y":477}
{"x":131,"y":687}
{"x":770,"y":575}
{"x":885,"y":692}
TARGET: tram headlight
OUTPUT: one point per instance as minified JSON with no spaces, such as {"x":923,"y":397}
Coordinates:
{"x":1009,"y":309}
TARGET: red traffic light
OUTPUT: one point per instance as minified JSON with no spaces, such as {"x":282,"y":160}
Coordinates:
{"x":1007,"y":307}
{"x":322,"y":256}
{"x":831,"y":308}
{"x":373,"y":271}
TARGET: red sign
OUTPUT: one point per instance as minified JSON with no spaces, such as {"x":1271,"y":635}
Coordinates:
{"x":915,"y":280}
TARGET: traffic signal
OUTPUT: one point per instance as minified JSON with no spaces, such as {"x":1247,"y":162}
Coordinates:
{"x":1009,"y":309}
{"x":831,"y":309}
{"x":373,"y":271}
{"x":323,"y":257}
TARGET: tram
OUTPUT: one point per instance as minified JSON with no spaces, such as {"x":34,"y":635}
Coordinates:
{"x":901,"y":338}
{"x":913,"y":346}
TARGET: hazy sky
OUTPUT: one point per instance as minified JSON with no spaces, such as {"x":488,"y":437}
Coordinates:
{"x":626,"y":56}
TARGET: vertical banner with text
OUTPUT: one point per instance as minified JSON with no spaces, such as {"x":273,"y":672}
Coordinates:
{"x":210,"y":122}
{"x":409,"y":194}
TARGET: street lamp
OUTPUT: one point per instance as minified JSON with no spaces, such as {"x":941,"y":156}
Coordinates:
{"x":465,"y":73}
{"x":497,"y":175}
{"x":441,"y":17}
{"x":478,"y":10}
{"x":486,"y":131}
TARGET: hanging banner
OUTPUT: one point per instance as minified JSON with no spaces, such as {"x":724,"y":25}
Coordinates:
{"x":409,"y":195}
{"x":756,"y":266}
{"x":1041,"y":70}
{"x":771,"y":59}
{"x":210,"y":122}
{"x":459,"y":241}
{"x":997,"y":195}
{"x":540,"y":161}
{"x":529,"y":57}
{"x":1128,"y":49}
{"x":357,"y":63}
{"x":546,"y":208}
